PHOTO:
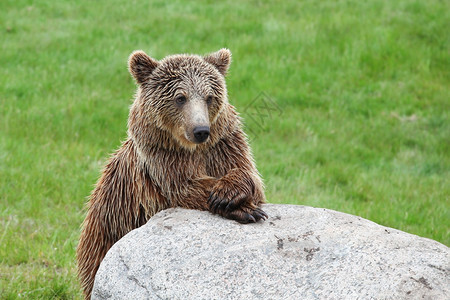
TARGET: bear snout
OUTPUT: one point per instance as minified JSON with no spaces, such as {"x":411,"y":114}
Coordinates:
{"x":201,"y":133}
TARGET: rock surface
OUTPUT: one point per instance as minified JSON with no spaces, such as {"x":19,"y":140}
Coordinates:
{"x":298,"y":253}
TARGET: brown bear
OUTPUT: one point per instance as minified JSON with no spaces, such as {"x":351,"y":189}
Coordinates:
{"x":185,"y":147}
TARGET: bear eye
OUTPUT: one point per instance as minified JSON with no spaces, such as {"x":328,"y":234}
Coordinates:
{"x":209,"y":99}
{"x":180,"y":100}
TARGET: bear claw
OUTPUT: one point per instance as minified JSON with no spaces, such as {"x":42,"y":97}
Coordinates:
{"x":245,"y":215}
{"x":234,"y":205}
{"x":225,"y":202}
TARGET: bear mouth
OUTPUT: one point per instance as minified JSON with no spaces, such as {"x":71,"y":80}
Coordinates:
{"x":184,"y":141}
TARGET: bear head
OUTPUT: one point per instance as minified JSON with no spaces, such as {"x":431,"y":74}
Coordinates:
{"x":179,"y":99}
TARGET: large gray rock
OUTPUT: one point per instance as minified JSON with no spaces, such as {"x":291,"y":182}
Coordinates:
{"x":298,"y":253}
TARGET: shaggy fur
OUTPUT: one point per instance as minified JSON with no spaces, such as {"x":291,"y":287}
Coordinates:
{"x":160,"y":166}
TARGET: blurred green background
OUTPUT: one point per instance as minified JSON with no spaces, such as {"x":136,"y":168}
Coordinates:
{"x":358,"y":117}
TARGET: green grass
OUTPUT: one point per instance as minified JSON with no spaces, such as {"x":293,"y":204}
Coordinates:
{"x":362,"y":89}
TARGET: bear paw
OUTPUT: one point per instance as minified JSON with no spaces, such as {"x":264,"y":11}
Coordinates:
{"x":234,"y":201}
{"x":245,"y":214}
{"x":228,"y":196}
{"x":235,"y":206}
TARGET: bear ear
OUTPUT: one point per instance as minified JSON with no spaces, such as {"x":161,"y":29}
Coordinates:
{"x":141,"y":65}
{"x":220,"y":59}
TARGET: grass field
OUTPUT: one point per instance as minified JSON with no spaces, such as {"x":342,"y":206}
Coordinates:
{"x":359,"y":120}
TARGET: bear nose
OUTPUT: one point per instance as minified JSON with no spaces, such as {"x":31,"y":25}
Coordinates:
{"x":201,"y":133}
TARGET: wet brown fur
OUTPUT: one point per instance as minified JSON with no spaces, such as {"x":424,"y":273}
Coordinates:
{"x":158,"y":167}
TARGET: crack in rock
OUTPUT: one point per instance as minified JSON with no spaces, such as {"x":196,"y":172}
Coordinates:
{"x":133,"y":278}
